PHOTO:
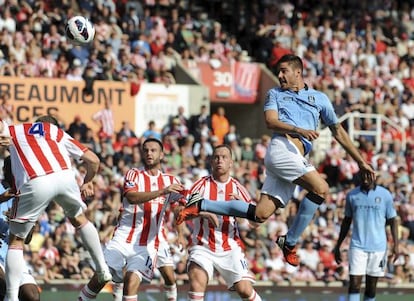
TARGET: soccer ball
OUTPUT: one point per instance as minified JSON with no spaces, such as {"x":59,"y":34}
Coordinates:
{"x":80,"y":30}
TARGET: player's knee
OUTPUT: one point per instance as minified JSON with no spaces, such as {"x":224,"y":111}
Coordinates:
{"x":265,"y":208}
{"x":244,"y":289}
{"x":29,"y":293}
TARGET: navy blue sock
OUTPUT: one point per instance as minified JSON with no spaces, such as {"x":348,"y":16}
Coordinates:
{"x":305,"y":214}
{"x":235,"y":208}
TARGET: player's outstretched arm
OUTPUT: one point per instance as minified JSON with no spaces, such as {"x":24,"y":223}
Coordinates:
{"x":343,"y":138}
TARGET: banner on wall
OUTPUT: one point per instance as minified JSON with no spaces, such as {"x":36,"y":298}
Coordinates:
{"x":235,"y":82}
{"x":159,"y":103}
{"x":32,"y":97}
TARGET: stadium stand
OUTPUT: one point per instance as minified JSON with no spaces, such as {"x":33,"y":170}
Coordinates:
{"x":360,"y":54}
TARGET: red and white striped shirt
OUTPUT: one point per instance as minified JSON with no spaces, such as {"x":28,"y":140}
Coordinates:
{"x":39,"y":149}
{"x":225,"y":237}
{"x":106,"y":119}
{"x":141,"y":224}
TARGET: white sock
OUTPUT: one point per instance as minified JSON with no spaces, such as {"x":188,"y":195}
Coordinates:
{"x":171,"y":292}
{"x":117,"y":291}
{"x":86,"y":294}
{"x":130,"y":298}
{"x":90,"y":239}
{"x":195,"y":296}
{"x":368,"y":299}
{"x":15,"y":265}
{"x":354,"y":297}
{"x":253,"y":297}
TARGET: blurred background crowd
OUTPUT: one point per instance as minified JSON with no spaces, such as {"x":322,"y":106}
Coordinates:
{"x":360,"y":54}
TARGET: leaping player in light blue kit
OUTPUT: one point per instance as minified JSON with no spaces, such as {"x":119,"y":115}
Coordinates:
{"x":369,"y":208}
{"x":292,"y":112}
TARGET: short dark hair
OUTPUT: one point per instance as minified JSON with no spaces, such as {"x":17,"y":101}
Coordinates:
{"x":291,"y":59}
{"x":48,"y":119}
{"x":154,"y":140}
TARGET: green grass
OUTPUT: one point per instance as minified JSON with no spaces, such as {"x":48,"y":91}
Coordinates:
{"x":227,"y":296}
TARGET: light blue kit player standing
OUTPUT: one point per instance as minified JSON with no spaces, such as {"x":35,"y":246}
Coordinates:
{"x":292,"y":112}
{"x":369,"y":208}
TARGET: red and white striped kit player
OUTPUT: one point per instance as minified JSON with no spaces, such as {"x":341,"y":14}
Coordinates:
{"x":41,"y":155}
{"x":40,"y":149}
{"x":140,"y":224}
{"x":105,"y":118}
{"x":225,"y":237}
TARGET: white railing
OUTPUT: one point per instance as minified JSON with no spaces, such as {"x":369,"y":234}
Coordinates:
{"x":323,"y":143}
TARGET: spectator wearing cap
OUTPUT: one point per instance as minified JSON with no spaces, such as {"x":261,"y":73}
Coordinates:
{"x":75,"y":71}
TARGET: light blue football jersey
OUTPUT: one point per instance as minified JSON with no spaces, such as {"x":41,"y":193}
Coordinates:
{"x":303,"y":109}
{"x":369,"y":212}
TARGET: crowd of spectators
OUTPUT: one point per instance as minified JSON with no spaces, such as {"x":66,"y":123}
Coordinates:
{"x":361,"y":55}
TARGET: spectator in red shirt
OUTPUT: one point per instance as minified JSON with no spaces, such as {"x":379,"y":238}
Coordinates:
{"x":277,"y":52}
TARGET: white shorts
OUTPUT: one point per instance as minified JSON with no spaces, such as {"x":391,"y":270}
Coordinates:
{"x":367,"y":263}
{"x":284,"y":164}
{"x":122,"y":256}
{"x":164,"y":257}
{"x":231,"y":265}
{"x":27,"y":277}
{"x":36,"y":195}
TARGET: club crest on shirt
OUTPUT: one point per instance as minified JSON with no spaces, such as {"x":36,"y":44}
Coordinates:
{"x":130,"y":184}
{"x":377,"y":200}
{"x":311,"y":99}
